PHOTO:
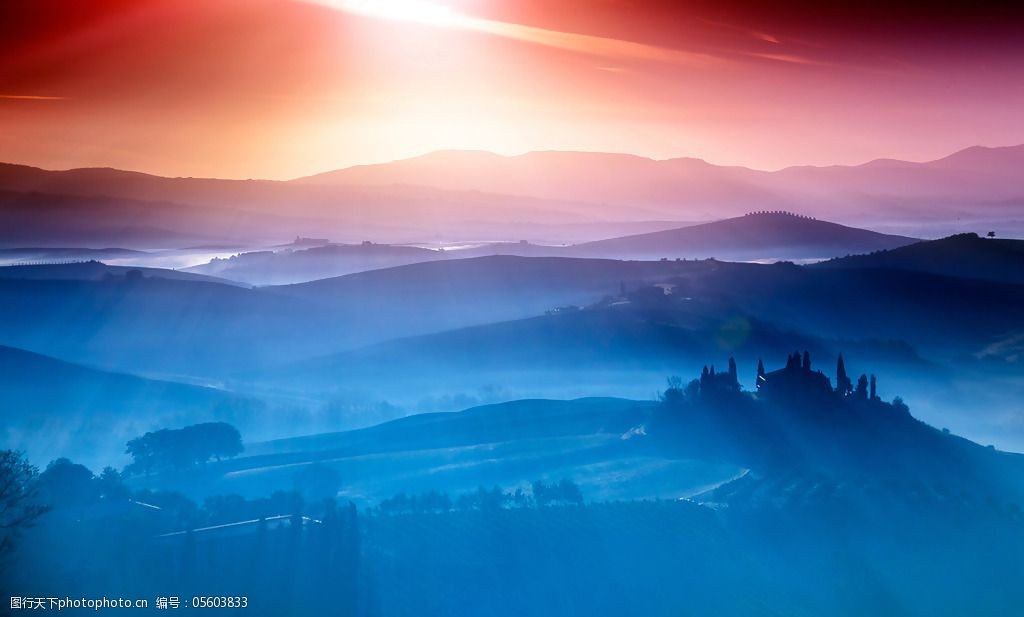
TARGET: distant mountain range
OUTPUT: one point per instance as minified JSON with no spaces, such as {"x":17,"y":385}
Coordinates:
{"x":961,"y":182}
{"x":549,"y":197}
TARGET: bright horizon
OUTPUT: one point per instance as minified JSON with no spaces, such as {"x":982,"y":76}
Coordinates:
{"x":280,"y":89}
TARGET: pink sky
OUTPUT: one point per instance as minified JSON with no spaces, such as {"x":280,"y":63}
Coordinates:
{"x":285,"y":88}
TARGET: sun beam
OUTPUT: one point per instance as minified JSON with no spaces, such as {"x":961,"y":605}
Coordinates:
{"x":420,"y":11}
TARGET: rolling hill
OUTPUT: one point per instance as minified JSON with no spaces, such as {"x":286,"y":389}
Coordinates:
{"x":964,"y":255}
{"x":97,"y":271}
{"x":705,"y":435}
{"x":9,"y":256}
{"x":207,"y":330}
{"x":293,"y":266}
{"x":764,"y":236}
{"x":494,"y":444}
{"x":754,"y":237}
{"x":53,"y":408}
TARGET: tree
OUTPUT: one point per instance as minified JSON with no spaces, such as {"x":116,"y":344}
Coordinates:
{"x":570,"y":492}
{"x":732,"y":370}
{"x":565,"y":492}
{"x":862,"y":388}
{"x":873,"y":389}
{"x":760,"y":374}
{"x":183,"y":448}
{"x":65,"y":483}
{"x":19,"y":505}
{"x":843,"y":384}
{"x":111,"y":485}
{"x":674,"y":392}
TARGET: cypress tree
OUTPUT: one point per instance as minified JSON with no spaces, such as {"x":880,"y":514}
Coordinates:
{"x":843,"y":384}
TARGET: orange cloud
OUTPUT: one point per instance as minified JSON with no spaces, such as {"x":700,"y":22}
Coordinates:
{"x":31,"y":97}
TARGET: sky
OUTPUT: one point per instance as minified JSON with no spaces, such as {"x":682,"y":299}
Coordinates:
{"x":286,"y":88}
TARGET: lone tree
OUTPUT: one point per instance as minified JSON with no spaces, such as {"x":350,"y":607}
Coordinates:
{"x":183,"y":448}
{"x":19,"y":507}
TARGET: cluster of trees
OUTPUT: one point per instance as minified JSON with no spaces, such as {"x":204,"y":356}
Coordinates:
{"x":103,"y":538}
{"x":26,"y":494}
{"x":183,"y":448}
{"x":564,"y":492}
{"x":19,"y":505}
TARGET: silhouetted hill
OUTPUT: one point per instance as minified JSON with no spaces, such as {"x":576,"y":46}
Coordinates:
{"x":54,"y":254}
{"x":52,"y":408}
{"x":320,"y":262}
{"x":964,"y":255}
{"x":99,"y":207}
{"x":624,"y":348}
{"x":519,"y":282}
{"x":203,"y":329}
{"x":590,"y":439}
{"x":98,"y":271}
{"x":757,"y":236}
{"x":799,"y":423}
{"x":795,"y":424}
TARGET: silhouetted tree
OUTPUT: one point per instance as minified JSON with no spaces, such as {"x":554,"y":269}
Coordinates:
{"x":807,"y":361}
{"x":565,"y":492}
{"x":843,"y":384}
{"x":569,"y":492}
{"x":181,"y":448}
{"x":111,"y":485}
{"x":674,"y":392}
{"x":19,"y":504}
{"x":862,"y":388}
{"x":760,"y":374}
{"x":65,"y":483}
{"x":213,"y":440}
{"x":873,"y":394}
{"x":732,"y":370}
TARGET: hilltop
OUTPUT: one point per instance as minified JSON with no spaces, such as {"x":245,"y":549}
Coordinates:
{"x":755,"y":236}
